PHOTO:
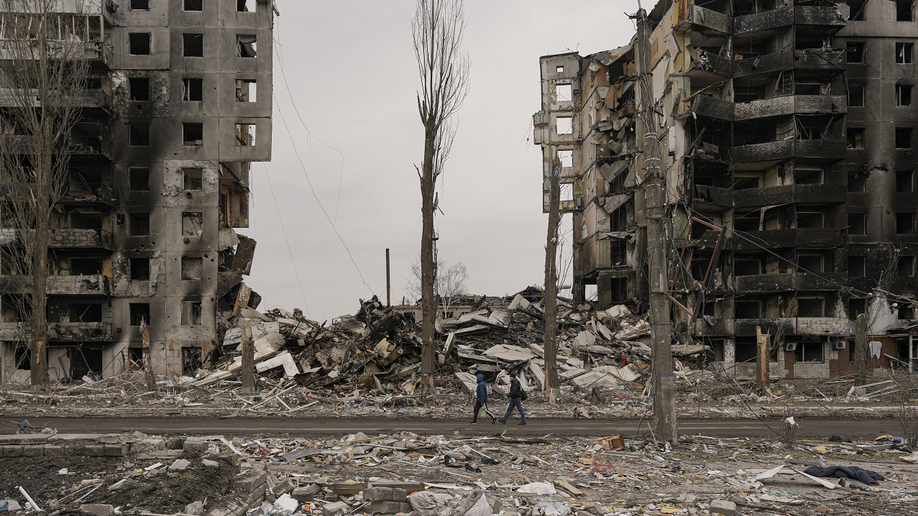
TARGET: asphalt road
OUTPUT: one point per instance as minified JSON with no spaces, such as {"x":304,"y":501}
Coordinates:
{"x":858,"y":429}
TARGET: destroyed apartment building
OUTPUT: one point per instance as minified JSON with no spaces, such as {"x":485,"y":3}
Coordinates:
{"x":143,"y":246}
{"x":788,"y":137}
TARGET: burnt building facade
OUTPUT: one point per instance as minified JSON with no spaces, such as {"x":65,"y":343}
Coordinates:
{"x":787,"y":140}
{"x":144,"y":255}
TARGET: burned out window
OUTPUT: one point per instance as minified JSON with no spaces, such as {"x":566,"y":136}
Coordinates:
{"x":139,"y":134}
{"x":191,"y":313}
{"x":905,"y":10}
{"x":856,"y":306}
{"x":566,"y":158}
{"x":242,"y":6}
{"x":23,"y":356}
{"x":245,"y":135}
{"x":246,"y":45}
{"x":139,"y":178}
{"x":194,"y":5}
{"x":140,"y":269}
{"x":192,"y":223}
{"x":246,"y":90}
{"x":564,"y":92}
{"x":857,"y":10}
{"x":139,"y":313}
{"x":857,"y":223}
{"x":856,"y":51}
{"x":904,"y":52}
{"x":811,"y":307}
{"x":139,"y":224}
{"x":192,"y":268}
{"x":906,"y":266}
{"x":855,"y":138}
{"x":812,"y":263}
{"x":140,"y":88}
{"x":904,"y":137}
{"x":85,"y":266}
{"x":564,"y":125}
{"x":193,"y":45}
{"x":809,"y":351}
{"x":906,"y":311}
{"x":903,"y":95}
{"x":193,"y":134}
{"x":857,"y":266}
{"x":139,"y":43}
{"x":748,"y":309}
{"x":140,"y":5}
{"x":85,"y":312}
{"x":192,"y":89}
{"x":905,"y":181}
{"x":905,"y":223}
{"x":193,"y":178}
{"x":857,"y":182}
{"x":856,"y":95}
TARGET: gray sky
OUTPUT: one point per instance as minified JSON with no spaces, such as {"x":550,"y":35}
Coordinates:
{"x":342,"y":185}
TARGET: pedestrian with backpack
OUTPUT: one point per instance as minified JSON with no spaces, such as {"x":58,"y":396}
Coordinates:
{"x":517,"y":395}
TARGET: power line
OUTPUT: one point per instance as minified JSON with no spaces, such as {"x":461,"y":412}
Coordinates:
{"x":296,"y":272}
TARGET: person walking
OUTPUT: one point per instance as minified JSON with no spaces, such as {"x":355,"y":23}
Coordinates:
{"x":481,"y":400}
{"x":516,"y":395}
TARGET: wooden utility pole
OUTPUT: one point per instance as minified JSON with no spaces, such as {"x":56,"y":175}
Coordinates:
{"x":860,"y":350}
{"x":761,"y":358}
{"x":664,"y":406}
{"x":388,"y":281}
{"x":248,"y":360}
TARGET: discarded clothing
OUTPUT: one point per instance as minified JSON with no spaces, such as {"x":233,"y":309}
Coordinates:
{"x":863,"y":475}
{"x":836,"y":438}
{"x":888,"y":439}
{"x":463,"y":467}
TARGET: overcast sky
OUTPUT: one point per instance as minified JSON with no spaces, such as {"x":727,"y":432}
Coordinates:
{"x":342,"y":186}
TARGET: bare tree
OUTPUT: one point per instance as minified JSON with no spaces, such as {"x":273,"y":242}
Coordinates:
{"x":437,"y":30}
{"x":45,"y":72}
{"x":550,"y":294}
{"x":450,"y":283}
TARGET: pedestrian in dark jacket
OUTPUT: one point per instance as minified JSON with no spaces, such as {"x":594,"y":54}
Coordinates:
{"x":515,"y":395}
{"x":481,"y":400}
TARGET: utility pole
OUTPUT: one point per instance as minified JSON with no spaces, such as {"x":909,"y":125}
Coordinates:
{"x":388,"y":282}
{"x":664,"y":406}
{"x":761,"y":358}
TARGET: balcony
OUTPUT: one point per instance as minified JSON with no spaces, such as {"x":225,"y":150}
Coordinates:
{"x":711,"y":107}
{"x":712,"y":198}
{"x":764,"y":21}
{"x":707,"y":21}
{"x":714,"y":327}
{"x":798,"y":194}
{"x":764,"y":64}
{"x":782,"y":326}
{"x":826,"y":20}
{"x":66,"y":238}
{"x":707,"y":68}
{"x":60,"y":332}
{"x":814,"y":62}
{"x":794,"y":326}
{"x":607,"y":254}
{"x":775,"y":283}
{"x":786,"y":238}
{"x":790,"y":105}
{"x":770,"y":153}
{"x":82,"y":285}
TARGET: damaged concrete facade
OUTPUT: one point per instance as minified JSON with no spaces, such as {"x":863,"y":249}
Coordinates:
{"x":788,"y":136}
{"x":143,"y":248}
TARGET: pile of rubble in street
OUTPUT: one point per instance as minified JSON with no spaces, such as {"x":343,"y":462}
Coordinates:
{"x":451,"y":475}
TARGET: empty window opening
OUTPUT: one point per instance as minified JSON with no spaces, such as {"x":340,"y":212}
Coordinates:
{"x":809,"y":351}
{"x":857,"y":10}
{"x":140,"y":269}
{"x":856,"y":95}
{"x":906,"y":267}
{"x":808,"y":176}
{"x":905,"y":181}
{"x":246,"y":45}
{"x":564,"y":92}
{"x":857,"y":182}
{"x":810,"y":220}
{"x":242,"y":6}
{"x":139,"y":43}
{"x":85,"y":312}
{"x":856,"y":307}
{"x":139,"y":134}
{"x":140,"y":5}
{"x":566,"y":158}
{"x":857,"y":266}
{"x":856,"y":51}
{"x":564,"y":125}
{"x":903,"y":95}
{"x":194,"y":5}
{"x":567,"y":192}
{"x":245,"y":135}
{"x":193,"y":45}
{"x":906,"y":311}
{"x":191,"y":313}
{"x":811,"y":263}
{"x":811,"y":307}
{"x":140,"y":313}
{"x":246,"y":90}
{"x":193,"y":134}
{"x":856,"y":138}
{"x":903,"y":137}
{"x":744,"y":267}
{"x":192,"y":223}
{"x":744,"y":182}
{"x":904,"y":53}
{"x":79,"y":219}
{"x":192,"y":89}
{"x":140,"y":88}
{"x":559,"y":69}
{"x":857,"y":223}
{"x":904,"y":10}
{"x":139,"y":178}
{"x":905,"y":223}
{"x":140,"y":224}
{"x":192,"y":268}
{"x":191,"y":360}
{"x":748,"y":310}
{"x":193,"y":178}
{"x":23,"y":357}
{"x":86,"y":266}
